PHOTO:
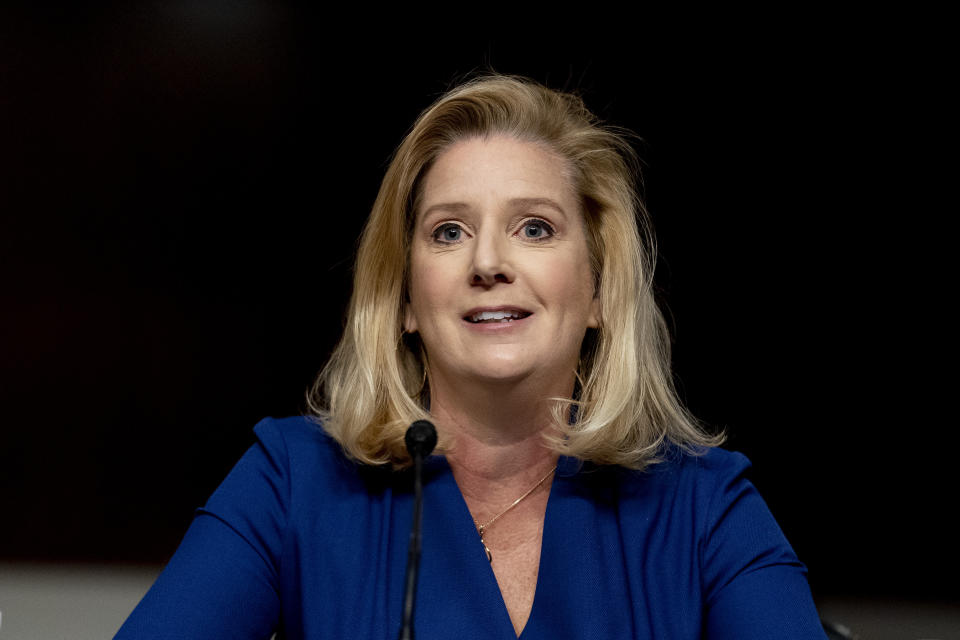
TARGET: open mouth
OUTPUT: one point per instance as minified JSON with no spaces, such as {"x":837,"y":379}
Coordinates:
{"x":487,"y":317}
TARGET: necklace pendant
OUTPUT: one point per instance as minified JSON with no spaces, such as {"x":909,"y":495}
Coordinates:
{"x":480,"y":528}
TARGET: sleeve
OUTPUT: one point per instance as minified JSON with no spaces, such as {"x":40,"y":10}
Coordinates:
{"x":222,"y":582}
{"x":755,"y":585}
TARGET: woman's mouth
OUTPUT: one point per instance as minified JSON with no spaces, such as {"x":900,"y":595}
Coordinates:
{"x":505,"y":315}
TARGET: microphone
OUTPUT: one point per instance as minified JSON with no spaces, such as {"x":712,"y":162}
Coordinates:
{"x":420,"y":439}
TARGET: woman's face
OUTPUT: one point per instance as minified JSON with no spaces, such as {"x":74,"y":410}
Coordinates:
{"x":500,"y":281}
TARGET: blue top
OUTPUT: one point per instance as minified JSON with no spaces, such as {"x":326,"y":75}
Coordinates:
{"x":301,"y":540}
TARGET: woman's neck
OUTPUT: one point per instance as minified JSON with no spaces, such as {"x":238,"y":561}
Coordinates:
{"x":497,"y":434}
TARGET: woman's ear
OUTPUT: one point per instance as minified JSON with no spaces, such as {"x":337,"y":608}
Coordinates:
{"x":409,"y":320}
{"x":593,"y":320}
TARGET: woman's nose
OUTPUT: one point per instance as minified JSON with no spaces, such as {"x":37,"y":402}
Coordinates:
{"x":491,"y":260}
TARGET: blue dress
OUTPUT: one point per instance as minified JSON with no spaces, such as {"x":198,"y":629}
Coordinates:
{"x":302,"y":541}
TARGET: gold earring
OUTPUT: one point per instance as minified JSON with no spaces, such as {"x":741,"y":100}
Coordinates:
{"x":426,"y":366}
{"x":423,"y":383}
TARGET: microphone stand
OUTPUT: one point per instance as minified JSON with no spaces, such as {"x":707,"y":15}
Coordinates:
{"x":420,"y":439}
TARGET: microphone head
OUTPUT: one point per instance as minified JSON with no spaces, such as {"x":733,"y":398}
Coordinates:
{"x":421,"y":438}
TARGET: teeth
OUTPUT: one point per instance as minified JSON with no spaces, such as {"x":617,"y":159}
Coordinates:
{"x":495,"y":315}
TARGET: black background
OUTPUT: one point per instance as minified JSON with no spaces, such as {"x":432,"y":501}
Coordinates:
{"x":183,"y":185}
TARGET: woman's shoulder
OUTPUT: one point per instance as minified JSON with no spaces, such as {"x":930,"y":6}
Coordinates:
{"x":676,"y":464}
{"x":300,"y":446}
{"x":290,"y":455}
{"x":701,"y":477}
{"x":298,"y":432}
{"x":297,"y":428}
{"x":711,"y":466}
{"x":293,"y":467}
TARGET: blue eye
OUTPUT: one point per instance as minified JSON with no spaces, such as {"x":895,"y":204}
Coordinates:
{"x":537,"y":230}
{"x":448,"y":233}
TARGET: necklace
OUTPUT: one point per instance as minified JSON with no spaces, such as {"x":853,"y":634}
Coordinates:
{"x":481,"y":528}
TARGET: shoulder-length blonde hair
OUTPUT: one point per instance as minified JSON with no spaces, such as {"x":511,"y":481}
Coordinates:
{"x":377,"y":380}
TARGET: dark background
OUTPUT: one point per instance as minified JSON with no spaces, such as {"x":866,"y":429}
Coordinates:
{"x":183,"y":184}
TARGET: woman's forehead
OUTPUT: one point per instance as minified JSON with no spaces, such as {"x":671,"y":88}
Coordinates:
{"x":505,"y":167}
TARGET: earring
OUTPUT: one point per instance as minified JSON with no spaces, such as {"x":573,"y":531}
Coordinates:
{"x":426,"y":367}
{"x":423,"y":383}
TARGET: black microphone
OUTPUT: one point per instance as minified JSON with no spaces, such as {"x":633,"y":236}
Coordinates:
{"x":421,"y":438}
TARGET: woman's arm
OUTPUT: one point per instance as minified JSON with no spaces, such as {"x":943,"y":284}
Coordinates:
{"x":223,"y":580}
{"x":215,"y":586}
{"x":755,"y":586}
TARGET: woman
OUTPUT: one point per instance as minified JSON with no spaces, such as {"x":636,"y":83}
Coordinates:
{"x":502,"y":290}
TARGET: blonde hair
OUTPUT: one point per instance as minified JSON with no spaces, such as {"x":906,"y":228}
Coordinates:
{"x":377,"y":380}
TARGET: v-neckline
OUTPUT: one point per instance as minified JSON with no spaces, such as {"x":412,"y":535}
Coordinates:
{"x":466,"y":528}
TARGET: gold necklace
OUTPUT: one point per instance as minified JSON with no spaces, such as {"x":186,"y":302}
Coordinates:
{"x":481,"y":528}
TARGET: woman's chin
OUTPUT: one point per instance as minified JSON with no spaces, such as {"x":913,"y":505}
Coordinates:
{"x":494,"y":373}
{"x":508,"y":373}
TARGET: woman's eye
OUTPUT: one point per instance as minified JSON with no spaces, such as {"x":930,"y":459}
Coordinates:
{"x":448,"y":233}
{"x":537,"y":230}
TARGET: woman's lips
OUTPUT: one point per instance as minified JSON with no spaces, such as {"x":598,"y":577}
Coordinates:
{"x":498,"y":315}
{"x":496,"y":318}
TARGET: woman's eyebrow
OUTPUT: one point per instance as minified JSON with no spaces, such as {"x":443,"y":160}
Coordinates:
{"x":514,"y":203}
{"x":528,"y":202}
{"x":450,"y":207}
